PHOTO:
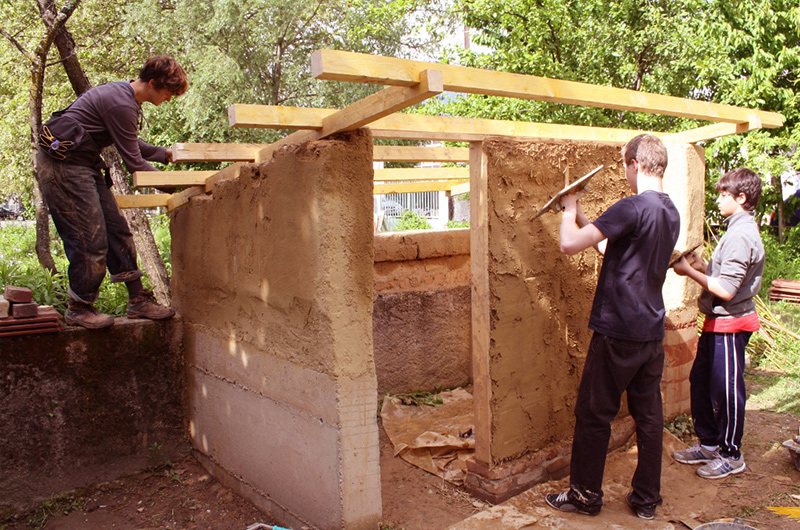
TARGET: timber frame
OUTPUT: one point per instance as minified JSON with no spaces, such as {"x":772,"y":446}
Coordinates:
{"x":409,"y":82}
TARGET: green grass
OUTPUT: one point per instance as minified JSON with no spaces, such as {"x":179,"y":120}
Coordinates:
{"x":19,"y":266}
{"x":773,"y":391}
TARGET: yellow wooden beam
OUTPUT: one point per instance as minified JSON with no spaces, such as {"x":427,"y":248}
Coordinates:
{"x":709,"y":132}
{"x":248,"y":116}
{"x":362,"y":68}
{"x":421,"y":173}
{"x":364,"y":111}
{"x":152,"y":179}
{"x":410,"y":153}
{"x":204,"y":152}
{"x":458,"y":189}
{"x":182,"y":198}
{"x":151,"y":200}
{"x":412,"y":187}
{"x":437,"y":128}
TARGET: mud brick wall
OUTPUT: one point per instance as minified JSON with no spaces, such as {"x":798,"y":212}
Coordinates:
{"x":81,"y":407}
{"x":532,"y":306}
{"x":273,"y":274}
{"x":421,"y":318}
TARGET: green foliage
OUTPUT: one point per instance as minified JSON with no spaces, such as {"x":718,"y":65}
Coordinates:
{"x":57,"y":505}
{"x":19,"y":266}
{"x":783,"y":260}
{"x":458,"y":224}
{"x":420,"y":398}
{"x":682,"y":427}
{"x":412,"y":221}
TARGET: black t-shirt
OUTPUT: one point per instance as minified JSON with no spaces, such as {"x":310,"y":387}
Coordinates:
{"x":642,"y":231}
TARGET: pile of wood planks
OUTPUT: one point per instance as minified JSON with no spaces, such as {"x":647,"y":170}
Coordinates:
{"x":20,"y":315}
{"x":788,"y":290}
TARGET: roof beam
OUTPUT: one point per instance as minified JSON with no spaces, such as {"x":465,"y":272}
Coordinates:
{"x":410,"y":153}
{"x":202,"y":152}
{"x":364,"y":111}
{"x":458,"y":189}
{"x":151,"y":200}
{"x":175,"y":179}
{"x":709,"y":132}
{"x":437,"y":128}
{"x":182,"y":198}
{"x":413,"y":187}
{"x":347,"y":66}
{"x":421,"y":173}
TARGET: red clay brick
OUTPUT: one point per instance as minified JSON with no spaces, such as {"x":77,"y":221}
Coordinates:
{"x":18,"y":295}
{"x":24,"y":310}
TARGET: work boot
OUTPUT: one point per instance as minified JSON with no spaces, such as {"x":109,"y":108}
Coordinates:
{"x":143,"y":305}
{"x":83,"y":314}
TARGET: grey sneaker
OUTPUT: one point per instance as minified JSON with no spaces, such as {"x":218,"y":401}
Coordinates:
{"x":145,"y":306}
{"x":695,"y":455}
{"x":721,"y":467}
{"x":87,"y":316}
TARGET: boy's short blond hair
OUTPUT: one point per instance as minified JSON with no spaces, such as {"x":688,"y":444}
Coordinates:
{"x":649,"y":151}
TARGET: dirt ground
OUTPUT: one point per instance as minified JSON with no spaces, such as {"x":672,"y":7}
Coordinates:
{"x":184,"y":497}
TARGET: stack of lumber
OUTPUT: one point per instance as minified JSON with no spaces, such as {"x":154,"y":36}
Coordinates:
{"x":19,"y":314}
{"x":788,"y":290}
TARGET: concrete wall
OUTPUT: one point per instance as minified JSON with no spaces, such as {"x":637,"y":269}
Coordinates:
{"x":82,"y":407}
{"x":421,"y":318}
{"x":273,"y":275}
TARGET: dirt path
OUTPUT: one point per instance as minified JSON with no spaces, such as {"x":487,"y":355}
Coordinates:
{"x":185,"y":497}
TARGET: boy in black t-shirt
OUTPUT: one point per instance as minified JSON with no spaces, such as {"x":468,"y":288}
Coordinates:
{"x":636,"y":236}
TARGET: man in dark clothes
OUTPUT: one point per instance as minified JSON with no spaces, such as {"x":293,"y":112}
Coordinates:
{"x":84,"y":210}
{"x":636,"y":236}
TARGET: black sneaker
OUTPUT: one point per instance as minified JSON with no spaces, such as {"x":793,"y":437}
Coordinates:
{"x":643,"y":512}
{"x":562,"y":502}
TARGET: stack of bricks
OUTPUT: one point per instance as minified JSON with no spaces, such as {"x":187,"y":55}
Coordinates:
{"x":20,"y":315}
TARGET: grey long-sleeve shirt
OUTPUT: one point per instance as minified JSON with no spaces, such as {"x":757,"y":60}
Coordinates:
{"x":110,"y":113}
{"x":738,"y":264}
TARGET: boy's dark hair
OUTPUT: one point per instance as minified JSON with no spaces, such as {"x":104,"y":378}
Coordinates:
{"x":742,"y":180}
{"x":649,"y":151}
{"x":165,"y":72}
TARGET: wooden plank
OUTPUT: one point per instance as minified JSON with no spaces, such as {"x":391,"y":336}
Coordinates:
{"x":709,"y":132}
{"x":152,"y":179}
{"x":230,"y":172}
{"x":204,"y":152}
{"x":182,"y":198}
{"x":383,"y":103}
{"x":151,"y":200}
{"x":412,"y":187}
{"x":362,"y":68}
{"x":445,"y":128}
{"x":248,"y":116}
{"x":458,"y":189}
{"x":479,"y":266}
{"x":422,"y":173}
{"x":410,"y":153}
{"x":364,"y":111}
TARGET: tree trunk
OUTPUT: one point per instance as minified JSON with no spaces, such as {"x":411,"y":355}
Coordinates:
{"x":137,"y":220}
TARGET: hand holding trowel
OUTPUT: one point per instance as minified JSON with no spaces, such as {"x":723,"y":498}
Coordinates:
{"x":579,"y":185}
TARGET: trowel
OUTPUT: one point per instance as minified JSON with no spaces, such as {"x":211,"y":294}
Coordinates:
{"x":554,"y":204}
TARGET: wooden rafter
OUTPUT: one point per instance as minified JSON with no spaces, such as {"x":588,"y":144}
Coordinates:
{"x":367,"y":110}
{"x":439,"y":128}
{"x":153,"y":179}
{"x":413,"y":187}
{"x":458,"y":189}
{"x":152,"y":200}
{"x":348,"y":66}
{"x":421,"y":173}
{"x":182,"y":199}
{"x":408,"y":153}
{"x":204,"y":152}
{"x":709,"y":132}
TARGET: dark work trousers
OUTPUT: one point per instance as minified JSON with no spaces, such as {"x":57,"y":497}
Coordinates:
{"x":612,"y":367}
{"x":718,"y":392}
{"x":87,"y":218}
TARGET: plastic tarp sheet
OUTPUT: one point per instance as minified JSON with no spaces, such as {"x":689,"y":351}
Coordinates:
{"x":438,"y":439}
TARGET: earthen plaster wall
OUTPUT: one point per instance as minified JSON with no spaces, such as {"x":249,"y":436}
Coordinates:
{"x":540,"y":299}
{"x":421,"y":317}
{"x":273,"y":276}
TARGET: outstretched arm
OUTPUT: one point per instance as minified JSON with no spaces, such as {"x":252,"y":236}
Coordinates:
{"x":577,"y":233}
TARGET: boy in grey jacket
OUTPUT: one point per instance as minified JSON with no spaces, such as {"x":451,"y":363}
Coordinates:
{"x":730,"y":281}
